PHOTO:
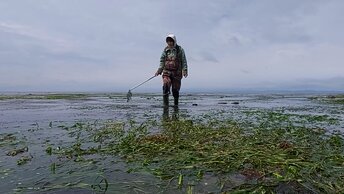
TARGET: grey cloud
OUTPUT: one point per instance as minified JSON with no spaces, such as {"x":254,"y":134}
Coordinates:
{"x":18,"y":49}
{"x":245,"y":71}
{"x":268,"y":21}
{"x":128,"y":36}
{"x":334,"y":83}
{"x":206,"y":56}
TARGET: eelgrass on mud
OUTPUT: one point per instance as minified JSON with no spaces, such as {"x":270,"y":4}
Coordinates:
{"x":269,"y":159}
{"x":331,"y":99}
{"x":51,"y":96}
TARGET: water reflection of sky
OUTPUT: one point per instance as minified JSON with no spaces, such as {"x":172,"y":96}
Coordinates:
{"x":39,"y":123}
{"x":27,"y":112}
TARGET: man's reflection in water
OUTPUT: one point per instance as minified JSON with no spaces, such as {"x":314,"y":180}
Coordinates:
{"x":166,"y":114}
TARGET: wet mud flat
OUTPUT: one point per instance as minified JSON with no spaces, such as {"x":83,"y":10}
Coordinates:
{"x":210,"y":143}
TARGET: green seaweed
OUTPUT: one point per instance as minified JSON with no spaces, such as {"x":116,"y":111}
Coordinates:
{"x":23,"y":160}
{"x":331,"y":99}
{"x":269,"y":153}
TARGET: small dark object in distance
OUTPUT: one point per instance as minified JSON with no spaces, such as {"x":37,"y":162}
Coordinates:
{"x":129,"y":95}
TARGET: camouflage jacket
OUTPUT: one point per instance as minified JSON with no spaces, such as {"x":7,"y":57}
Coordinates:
{"x":174,"y":56}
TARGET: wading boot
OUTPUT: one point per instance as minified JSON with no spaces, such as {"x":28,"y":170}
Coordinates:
{"x":165,"y":115}
{"x":175,"y":96}
{"x":166,"y":92}
{"x":165,"y":100}
{"x":176,"y":101}
{"x":175,"y":115}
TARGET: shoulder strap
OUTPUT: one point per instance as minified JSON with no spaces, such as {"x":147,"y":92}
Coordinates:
{"x":165,"y":50}
{"x":178,"y":48}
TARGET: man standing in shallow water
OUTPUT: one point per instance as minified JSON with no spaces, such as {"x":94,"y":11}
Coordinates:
{"x":173,"y":67}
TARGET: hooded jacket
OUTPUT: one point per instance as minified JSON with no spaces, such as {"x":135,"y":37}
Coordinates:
{"x":173,"y":55}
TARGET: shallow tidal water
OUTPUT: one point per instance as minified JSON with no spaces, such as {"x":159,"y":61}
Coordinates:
{"x":35,"y":124}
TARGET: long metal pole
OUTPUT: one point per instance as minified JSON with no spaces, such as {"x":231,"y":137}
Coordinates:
{"x":142,"y":83}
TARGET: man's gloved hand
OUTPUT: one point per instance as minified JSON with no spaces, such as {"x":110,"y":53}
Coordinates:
{"x":158,"y":72}
{"x":185,"y":73}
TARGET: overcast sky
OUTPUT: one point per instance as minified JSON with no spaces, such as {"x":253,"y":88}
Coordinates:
{"x":113,"y":45}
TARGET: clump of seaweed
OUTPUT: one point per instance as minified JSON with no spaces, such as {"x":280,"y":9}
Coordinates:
{"x":49,"y":96}
{"x":6,"y":139}
{"x":332,"y":99}
{"x":270,"y":156}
